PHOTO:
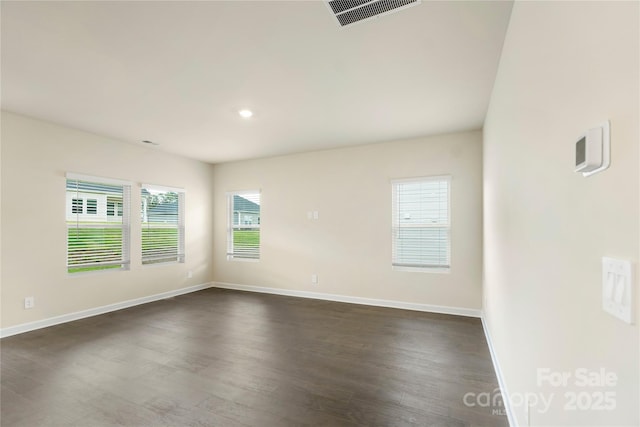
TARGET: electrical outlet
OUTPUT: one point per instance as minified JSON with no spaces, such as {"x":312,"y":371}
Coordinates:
{"x":190,"y":274}
{"x":29,"y":302}
{"x":617,"y":288}
{"x":314,"y":279}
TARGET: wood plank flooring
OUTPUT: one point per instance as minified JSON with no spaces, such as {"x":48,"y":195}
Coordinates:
{"x":229,"y":358}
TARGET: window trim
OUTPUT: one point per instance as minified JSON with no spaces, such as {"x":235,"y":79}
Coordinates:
{"x":418,"y":268}
{"x":101,"y":180}
{"x":162,"y":188}
{"x":230,"y":226}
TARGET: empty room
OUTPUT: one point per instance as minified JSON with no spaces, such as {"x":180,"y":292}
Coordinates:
{"x":320,"y":213}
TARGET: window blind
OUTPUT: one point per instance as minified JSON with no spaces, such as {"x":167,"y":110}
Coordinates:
{"x":95,"y":239}
{"x":421,"y":223}
{"x":163,"y":231}
{"x":243,"y":225}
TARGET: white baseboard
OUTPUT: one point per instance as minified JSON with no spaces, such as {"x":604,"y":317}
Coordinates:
{"x":459,"y":311}
{"x":31,"y":326}
{"x":503,"y":386}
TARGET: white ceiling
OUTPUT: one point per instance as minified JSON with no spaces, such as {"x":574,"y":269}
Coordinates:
{"x":176,"y":73}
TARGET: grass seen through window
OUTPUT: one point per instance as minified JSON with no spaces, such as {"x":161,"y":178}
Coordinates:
{"x":246,"y":241}
{"x":88,"y":245}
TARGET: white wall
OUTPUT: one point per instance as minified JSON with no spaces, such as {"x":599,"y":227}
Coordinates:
{"x":349,"y":247}
{"x":565,"y":67}
{"x":35,"y":157}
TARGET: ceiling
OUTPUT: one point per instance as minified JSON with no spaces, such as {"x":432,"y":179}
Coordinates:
{"x":176,"y":73}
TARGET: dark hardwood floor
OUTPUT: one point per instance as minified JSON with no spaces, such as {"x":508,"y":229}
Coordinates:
{"x":228,"y":358}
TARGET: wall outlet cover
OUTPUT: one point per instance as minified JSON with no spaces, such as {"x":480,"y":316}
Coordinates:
{"x":617,"y":288}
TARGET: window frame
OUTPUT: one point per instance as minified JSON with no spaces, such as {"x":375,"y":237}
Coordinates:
{"x":180,"y":257}
{"x":124,"y":262}
{"x":427,"y":268}
{"x":231,"y":254}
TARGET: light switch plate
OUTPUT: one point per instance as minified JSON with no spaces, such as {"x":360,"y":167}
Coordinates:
{"x":617,"y":288}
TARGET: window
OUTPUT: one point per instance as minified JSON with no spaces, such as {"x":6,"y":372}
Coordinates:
{"x":243,"y":225}
{"x":76,"y":205}
{"x":421,"y":224}
{"x":96,"y":241}
{"x":114,"y":207}
{"x":162,"y":213}
{"x":92,"y":206}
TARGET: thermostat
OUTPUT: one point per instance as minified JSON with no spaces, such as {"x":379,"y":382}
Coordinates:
{"x":593,"y":150}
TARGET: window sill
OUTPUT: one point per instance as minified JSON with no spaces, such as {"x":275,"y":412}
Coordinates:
{"x":96,"y":272}
{"x":165,"y":263}
{"x":436,"y":270}
{"x":232,"y":258}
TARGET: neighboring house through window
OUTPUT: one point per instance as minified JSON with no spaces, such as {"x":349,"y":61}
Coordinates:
{"x":421,"y":224}
{"x":95,"y":240}
{"x":243,"y":225}
{"x":163,"y":225}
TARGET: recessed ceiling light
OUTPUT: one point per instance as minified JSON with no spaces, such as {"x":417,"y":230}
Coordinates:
{"x":245,"y":114}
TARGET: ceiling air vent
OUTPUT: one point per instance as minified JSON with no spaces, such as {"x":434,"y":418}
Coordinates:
{"x":351,"y":11}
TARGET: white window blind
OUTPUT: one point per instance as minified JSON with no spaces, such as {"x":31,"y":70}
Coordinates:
{"x":421,"y":223}
{"x":95,"y":239}
{"x":163,"y":232}
{"x":243,"y":225}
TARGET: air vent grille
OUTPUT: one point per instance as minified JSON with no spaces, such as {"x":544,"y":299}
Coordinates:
{"x":352,"y":11}
{"x":339,"y":6}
